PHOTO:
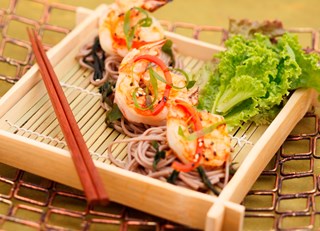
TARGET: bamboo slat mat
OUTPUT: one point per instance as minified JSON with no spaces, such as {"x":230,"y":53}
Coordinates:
{"x":286,"y":195}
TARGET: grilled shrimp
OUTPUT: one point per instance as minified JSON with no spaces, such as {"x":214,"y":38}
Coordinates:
{"x":197,"y":138}
{"x":140,"y":96}
{"x":142,"y":28}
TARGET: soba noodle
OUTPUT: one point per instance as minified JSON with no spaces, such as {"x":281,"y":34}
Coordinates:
{"x":141,"y":155}
{"x":111,"y":63}
{"x":140,"y":149}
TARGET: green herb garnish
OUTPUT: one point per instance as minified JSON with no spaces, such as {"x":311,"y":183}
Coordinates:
{"x":202,"y":132}
{"x":173,"y":177}
{"x":157,"y":76}
{"x":167,"y":49}
{"x":189,"y":84}
{"x":114,"y":114}
{"x":154,"y":84}
{"x":206,"y":180}
{"x":159,"y":154}
{"x":106,"y":91}
{"x":128,"y":30}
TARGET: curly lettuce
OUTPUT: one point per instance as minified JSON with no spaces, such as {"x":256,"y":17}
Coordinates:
{"x":254,"y":75}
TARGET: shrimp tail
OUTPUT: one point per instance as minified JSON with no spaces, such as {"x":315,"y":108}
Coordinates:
{"x":153,"y":5}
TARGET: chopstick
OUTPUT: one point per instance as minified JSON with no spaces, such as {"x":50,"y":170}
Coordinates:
{"x":90,"y":179}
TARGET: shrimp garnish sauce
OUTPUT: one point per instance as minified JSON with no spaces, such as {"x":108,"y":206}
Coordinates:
{"x":140,"y":96}
{"x":211,"y":145}
{"x":112,"y":36}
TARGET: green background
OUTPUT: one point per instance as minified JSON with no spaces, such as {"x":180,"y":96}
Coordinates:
{"x":293,"y":13}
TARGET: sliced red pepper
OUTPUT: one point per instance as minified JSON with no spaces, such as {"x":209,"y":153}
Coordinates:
{"x":157,"y":109}
{"x":195,"y":119}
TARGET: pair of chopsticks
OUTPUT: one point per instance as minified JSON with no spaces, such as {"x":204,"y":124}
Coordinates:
{"x":88,"y":174}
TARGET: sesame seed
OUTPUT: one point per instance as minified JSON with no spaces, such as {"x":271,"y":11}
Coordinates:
{"x":165,"y":99}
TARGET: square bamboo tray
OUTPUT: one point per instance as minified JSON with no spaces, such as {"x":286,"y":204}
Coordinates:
{"x":30,"y":137}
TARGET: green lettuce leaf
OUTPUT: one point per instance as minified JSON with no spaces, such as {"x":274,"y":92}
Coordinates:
{"x":237,"y":92}
{"x":254,"y":76}
{"x":309,"y":63}
{"x":208,"y":81}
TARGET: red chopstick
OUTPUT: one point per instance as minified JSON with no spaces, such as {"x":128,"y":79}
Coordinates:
{"x":90,"y":179}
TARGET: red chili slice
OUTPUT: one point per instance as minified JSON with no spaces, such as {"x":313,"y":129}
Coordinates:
{"x":195,"y":119}
{"x":157,"y":109}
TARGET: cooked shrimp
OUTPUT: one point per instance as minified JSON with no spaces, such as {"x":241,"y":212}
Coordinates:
{"x":140,"y":96}
{"x":112,"y":35}
{"x":197,"y":138}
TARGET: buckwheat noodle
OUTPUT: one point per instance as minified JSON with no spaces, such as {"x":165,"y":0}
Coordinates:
{"x":141,"y":155}
{"x":140,"y":151}
{"x":111,"y":64}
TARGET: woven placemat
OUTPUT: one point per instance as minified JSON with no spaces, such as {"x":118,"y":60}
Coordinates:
{"x":286,"y":195}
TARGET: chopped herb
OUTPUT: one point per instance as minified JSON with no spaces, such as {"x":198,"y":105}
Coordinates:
{"x":149,"y":102}
{"x":189,"y":84}
{"x":201,"y":132}
{"x":130,"y":31}
{"x":157,"y":76}
{"x":107,"y":94}
{"x":114,"y":114}
{"x":181,"y":132}
{"x":206,"y":180}
{"x":161,"y":103}
{"x":167,"y":49}
{"x":159,"y":154}
{"x":173,"y":177}
{"x":155,"y":144}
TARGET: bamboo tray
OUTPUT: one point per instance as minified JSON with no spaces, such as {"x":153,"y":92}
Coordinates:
{"x":30,"y":138}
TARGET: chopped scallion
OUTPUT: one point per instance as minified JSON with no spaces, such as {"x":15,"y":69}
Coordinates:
{"x":159,"y":154}
{"x":206,"y":180}
{"x":173,"y":177}
{"x":129,"y":30}
{"x":202,"y":132}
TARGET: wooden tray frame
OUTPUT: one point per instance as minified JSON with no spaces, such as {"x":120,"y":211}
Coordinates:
{"x":177,"y":204}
